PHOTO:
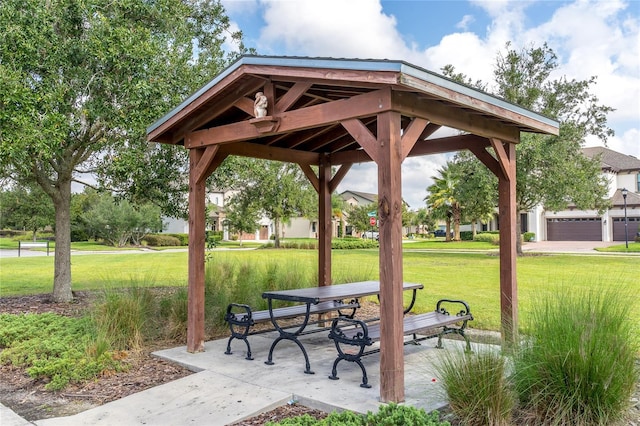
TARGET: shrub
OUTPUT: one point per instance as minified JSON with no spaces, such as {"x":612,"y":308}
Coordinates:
{"x":56,"y":348}
{"x":183,"y":238}
{"x":578,"y":367}
{"x":123,"y":318}
{"x":466,"y":235}
{"x":388,"y":415}
{"x":477,"y":388}
{"x":488,"y":237}
{"x":528,"y":236}
{"x":174,"y":309}
{"x":161,"y":240}
{"x":353,"y":243}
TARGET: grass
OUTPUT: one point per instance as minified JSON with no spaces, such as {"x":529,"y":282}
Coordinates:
{"x":579,"y":365}
{"x":633,"y":248}
{"x":473,"y":277}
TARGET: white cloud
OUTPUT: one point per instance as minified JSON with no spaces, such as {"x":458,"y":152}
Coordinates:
{"x":465,"y":21}
{"x":627,"y":143}
{"x":336,"y":28}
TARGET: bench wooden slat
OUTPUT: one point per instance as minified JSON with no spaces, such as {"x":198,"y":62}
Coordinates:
{"x":412,"y":324}
{"x":297,"y":310}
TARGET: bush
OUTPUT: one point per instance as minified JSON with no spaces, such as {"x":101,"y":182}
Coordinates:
{"x":488,"y":237}
{"x":353,"y":243}
{"x":477,"y":388}
{"x":388,"y":415}
{"x":528,"y":236}
{"x":183,"y":238}
{"x":58,"y":349}
{"x":161,"y":240}
{"x":123,"y":318}
{"x":466,"y":235}
{"x":578,"y":366}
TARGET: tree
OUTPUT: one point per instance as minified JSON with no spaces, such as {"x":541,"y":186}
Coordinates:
{"x":26,"y":208}
{"x":444,"y":198}
{"x":424,"y":220}
{"x":551,"y":170}
{"x":81,"y":80}
{"x":242,"y":215}
{"x":119,"y":222}
{"x":478,"y":190}
{"x":359,"y":216}
{"x":279,"y":190}
{"x":338,"y":206}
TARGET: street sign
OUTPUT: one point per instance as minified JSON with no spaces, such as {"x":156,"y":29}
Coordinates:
{"x":372,"y":214}
{"x":372,"y":221}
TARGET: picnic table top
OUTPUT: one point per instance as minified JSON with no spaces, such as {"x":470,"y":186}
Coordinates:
{"x":332,"y":292}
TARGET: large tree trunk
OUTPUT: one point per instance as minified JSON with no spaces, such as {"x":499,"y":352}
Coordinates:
{"x":62,"y":264}
{"x":457,"y":213}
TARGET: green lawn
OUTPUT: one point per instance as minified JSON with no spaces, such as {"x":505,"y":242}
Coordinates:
{"x":473,"y":277}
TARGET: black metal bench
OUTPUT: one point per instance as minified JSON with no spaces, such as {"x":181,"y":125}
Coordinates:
{"x":241,"y":318}
{"x":352,"y":332}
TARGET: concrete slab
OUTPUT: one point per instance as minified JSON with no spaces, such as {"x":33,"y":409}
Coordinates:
{"x":228,"y":388}
{"x":9,"y":418}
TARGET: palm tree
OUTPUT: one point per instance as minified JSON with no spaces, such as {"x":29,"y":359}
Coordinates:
{"x":443,"y":199}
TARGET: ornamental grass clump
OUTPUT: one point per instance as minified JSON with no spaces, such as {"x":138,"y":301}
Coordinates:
{"x":477,"y":388}
{"x":577,"y":366}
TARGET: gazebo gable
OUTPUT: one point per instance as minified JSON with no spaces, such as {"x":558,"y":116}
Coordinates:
{"x":310,"y":98}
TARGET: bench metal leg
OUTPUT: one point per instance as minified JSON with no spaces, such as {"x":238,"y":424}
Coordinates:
{"x":228,"y":351}
{"x":293,"y":338}
{"x":334,"y":371}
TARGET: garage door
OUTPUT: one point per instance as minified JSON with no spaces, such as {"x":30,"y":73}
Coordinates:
{"x":578,"y":229}
{"x":618,"y":228}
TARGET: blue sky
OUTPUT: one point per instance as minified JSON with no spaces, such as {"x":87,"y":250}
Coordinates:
{"x":591,"y":38}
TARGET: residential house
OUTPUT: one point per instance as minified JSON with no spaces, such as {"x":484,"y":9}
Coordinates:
{"x":622,"y":172}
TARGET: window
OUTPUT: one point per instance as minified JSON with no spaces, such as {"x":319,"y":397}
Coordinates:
{"x":638,"y":182}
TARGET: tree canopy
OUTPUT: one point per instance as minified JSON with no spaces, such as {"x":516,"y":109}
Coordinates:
{"x":81,"y":80}
{"x":551,"y":170}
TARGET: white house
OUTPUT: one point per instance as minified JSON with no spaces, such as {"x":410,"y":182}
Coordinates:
{"x":623,"y":173}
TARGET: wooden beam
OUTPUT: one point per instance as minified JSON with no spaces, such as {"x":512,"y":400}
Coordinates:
{"x":411,"y":134}
{"x":195,"y":298}
{"x":292,"y":96}
{"x":324,"y":223}
{"x":507,"y":211}
{"x":450,"y":116}
{"x":421,"y":147}
{"x":337,"y":178}
{"x":463,"y":101}
{"x":200,"y":172}
{"x":488,"y":160}
{"x":245,"y":104}
{"x":311,"y":175}
{"x":503,"y":158}
{"x":389,"y":155}
{"x":363,"y":136}
{"x":253,"y":150}
{"x":305,"y":118}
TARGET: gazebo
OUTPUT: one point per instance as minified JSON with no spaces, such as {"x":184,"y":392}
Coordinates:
{"x":332,"y":113}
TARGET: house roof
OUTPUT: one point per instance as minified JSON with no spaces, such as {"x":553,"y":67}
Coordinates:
{"x":365,"y":195}
{"x":322,"y":93}
{"x":612,"y":160}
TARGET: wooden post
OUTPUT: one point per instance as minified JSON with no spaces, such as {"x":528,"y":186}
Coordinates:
{"x":195,"y":314}
{"x":390,"y":214}
{"x":507,"y":207}
{"x":324,"y":223}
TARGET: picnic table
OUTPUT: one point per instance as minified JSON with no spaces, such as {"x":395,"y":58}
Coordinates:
{"x":313,"y":296}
